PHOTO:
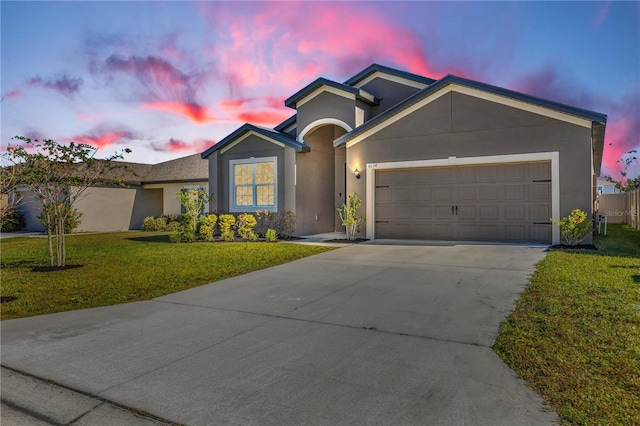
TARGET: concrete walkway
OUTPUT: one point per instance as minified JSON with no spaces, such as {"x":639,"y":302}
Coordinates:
{"x":366,"y":334}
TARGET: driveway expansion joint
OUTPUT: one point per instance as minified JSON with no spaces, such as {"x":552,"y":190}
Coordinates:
{"x":354,"y":327}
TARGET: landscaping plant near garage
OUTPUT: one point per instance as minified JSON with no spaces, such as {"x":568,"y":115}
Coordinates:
{"x":574,"y":335}
{"x":124,"y":267}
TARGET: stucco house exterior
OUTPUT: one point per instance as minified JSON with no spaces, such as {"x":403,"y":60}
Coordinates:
{"x":448,"y":159}
{"x":151,"y":192}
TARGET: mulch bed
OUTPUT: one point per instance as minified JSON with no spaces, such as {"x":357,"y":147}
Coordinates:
{"x":576,"y":247}
{"x":54,"y":268}
{"x":345,"y":241}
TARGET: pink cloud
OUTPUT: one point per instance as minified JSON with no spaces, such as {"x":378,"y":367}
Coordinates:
{"x":281,"y":46}
{"x":192,"y":111}
{"x":103,"y":136}
{"x":623,"y":112}
{"x":14,"y":94}
{"x":266,"y":110}
{"x":177,"y":145}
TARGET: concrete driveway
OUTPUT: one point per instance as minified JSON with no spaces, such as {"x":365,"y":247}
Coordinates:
{"x":366,"y":334}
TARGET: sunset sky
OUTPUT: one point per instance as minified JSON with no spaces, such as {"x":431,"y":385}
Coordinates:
{"x":168,"y":79}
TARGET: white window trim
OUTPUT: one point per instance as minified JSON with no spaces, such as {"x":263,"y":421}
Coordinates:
{"x":239,"y":209}
{"x":553,"y":157}
{"x":322,"y":122}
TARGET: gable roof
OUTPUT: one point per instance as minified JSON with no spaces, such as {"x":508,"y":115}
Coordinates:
{"x":373,"y":68}
{"x":349,"y":86}
{"x":321,"y":82}
{"x":268,"y":134}
{"x":595,"y":117}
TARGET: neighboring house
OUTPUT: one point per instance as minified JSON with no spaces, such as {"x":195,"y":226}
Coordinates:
{"x":448,"y":159}
{"x":606,"y":187}
{"x":151,"y":192}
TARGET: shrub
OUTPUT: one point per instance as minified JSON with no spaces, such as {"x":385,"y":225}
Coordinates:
{"x":173,"y":226}
{"x":270,"y":235}
{"x":71,"y":222}
{"x":264,"y":220}
{"x":245,"y":224}
{"x":207,"y":227}
{"x":154,"y":223}
{"x":225,"y":224}
{"x":574,"y":228}
{"x":285,"y":224}
{"x":282,"y":222}
{"x":227,"y":236}
{"x":12,"y":220}
{"x":349,"y":216}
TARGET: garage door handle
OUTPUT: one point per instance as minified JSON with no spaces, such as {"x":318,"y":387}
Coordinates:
{"x":456,"y":210}
{"x":541,"y":180}
{"x":542,"y":223}
{"x":452,"y":211}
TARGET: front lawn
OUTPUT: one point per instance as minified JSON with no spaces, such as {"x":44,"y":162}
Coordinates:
{"x":112,"y":268}
{"x":574,"y":336}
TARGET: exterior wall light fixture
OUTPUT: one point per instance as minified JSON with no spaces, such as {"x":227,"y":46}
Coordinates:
{"x":356,"y":172}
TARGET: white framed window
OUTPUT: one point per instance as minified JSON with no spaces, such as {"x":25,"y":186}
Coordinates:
{"x":253,"y":184}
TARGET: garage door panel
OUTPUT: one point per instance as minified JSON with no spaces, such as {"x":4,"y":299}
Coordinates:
{"x":514,"y":171}
{"x":515,"y":232}
{"x":539,"y":192}
{"x":424,"y":194}
{"x":434,"y":231}
{"x":384,"y":195}
{"x":514,"y":192}
{"x":539,"y":170}
{"x":467,"y":194}
{"x":467,"y":212}
{"x":539,"y":233}
{"x":539,"y":213}
{"x":444,"y":193}
{"x":515,"y":213}
{"x":489,"y":213}
{"x":501,"y":202}
{"x":490,"y":193}
{"x":404,"y":212}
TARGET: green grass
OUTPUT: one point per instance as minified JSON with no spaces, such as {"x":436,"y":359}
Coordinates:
{"x":574,"y":335}
{"x":124,"y":267}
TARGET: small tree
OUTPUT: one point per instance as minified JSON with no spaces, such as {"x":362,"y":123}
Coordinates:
{"x":574,"y":228}
{"x":193,"y":201}
{"x":349,"y":216}
{"x":59,"y":175}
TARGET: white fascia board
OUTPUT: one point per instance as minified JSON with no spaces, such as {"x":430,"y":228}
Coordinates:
{"x":553,"y":157}
{"x":323,"y":89}
{"x":245,"y":136}
{"x":478,"y":94}
{"x":389,"y":77}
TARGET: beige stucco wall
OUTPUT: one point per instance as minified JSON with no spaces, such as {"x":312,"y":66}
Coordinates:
{"x":170,"y":204}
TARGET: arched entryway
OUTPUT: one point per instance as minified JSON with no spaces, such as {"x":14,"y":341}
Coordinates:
{"x":324,"y":169}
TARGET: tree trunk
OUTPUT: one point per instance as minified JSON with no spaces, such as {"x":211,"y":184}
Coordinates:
{"x":50,"y":239}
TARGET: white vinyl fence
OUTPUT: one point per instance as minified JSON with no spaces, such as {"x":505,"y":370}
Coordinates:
{"x":621,"y":208}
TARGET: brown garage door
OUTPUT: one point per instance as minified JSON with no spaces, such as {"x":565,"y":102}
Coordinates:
{"x":497,"y":202}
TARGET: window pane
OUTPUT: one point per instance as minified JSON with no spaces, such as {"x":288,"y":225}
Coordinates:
{"x":265,"y":195}
{"x":244,"y":195}
{"x":243,"y":174}
{"x":264,"y":173}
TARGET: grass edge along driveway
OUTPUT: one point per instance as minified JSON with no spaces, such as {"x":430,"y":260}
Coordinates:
{"x":574,"y":336}
{"x":111,"y":268}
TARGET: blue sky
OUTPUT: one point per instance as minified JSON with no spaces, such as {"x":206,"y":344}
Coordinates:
{"x":168,"y":79}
